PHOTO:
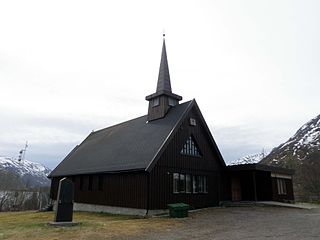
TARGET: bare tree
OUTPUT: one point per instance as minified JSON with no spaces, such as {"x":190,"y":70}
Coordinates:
{"x":4,"y":198}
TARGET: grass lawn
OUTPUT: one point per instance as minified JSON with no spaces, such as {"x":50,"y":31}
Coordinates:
{"x":33,"y":225}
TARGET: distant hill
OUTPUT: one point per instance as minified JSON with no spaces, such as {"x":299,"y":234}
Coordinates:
{"x":249,"y":159}
{"x":22,"y":175}
{"x":302,"y":153}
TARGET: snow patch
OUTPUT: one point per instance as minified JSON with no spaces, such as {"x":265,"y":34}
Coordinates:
{"x":26,"y":169}
{"x":249,"y":159}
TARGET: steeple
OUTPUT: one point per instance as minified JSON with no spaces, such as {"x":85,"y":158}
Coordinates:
{"x":163,"y":99}
{"x":164,"y":75}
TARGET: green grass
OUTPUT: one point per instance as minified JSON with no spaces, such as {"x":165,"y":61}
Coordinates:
{"x":33,"y":226}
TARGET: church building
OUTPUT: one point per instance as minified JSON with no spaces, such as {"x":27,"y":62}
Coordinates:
{"x":167,"y":156}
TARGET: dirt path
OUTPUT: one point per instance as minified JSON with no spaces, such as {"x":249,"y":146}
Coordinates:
{"x":244,"y":223}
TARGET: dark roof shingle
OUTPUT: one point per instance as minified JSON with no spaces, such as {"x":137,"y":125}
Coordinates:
{"x":130,"y":145}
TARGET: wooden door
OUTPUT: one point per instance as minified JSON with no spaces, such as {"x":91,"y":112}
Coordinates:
{"x":236,"y":189}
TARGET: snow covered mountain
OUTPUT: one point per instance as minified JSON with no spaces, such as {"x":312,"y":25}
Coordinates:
{"x":249,"y":159}
{"x":29,"y":173}
{"x":301,"y":153}
{"x":303,"y":145}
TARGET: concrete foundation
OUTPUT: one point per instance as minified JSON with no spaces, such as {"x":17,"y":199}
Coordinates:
{"x":85,"y":207}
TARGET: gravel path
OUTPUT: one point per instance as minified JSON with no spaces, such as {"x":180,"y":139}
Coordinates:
{"x":244,"y":223}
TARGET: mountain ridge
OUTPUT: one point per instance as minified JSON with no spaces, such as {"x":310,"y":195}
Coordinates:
{"x":27,"y":173}
{"x":301,"y":152}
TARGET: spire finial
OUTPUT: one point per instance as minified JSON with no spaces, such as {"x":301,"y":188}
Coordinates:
{"x":164,"y":34}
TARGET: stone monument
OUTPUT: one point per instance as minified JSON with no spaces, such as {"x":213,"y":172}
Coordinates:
{"x":64,"y":204}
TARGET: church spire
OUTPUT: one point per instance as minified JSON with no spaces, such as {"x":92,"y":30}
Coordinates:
{"x":163,"y":99}
{"x":164,"y":75}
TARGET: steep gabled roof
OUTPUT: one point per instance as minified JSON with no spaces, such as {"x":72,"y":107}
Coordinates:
{"x":194,"y":104}
{"x":127,"y":146}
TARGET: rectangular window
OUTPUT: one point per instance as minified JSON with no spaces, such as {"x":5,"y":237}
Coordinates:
{"x":282,"y":188}
{"x":182,"y":183}
{"x":100,"y":182}
{"x":188,"y":183}
{"x":155,"y":102}
{"x":172,"y":102}
{"x":200,"y":184}
{"x":175,"y":182}
{"x":195,"y":185}
{"x":90,"y":182}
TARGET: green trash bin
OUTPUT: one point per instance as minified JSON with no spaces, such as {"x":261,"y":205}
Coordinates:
{"x":178,"y":210}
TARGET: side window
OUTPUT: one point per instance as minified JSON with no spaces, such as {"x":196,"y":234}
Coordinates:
{"x":188,"y":184}
{"x":172,"y":102}
{"x":182,"y":183}
{"x":155,"y":102}
{"x":194,"y":184}
{"x":282,"y":188}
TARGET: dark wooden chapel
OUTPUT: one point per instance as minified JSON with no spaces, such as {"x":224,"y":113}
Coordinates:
{"x":167,"y":156}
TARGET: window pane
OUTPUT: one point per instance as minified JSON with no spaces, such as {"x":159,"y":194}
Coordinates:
{"x":188,"y":183}
{"x":175,"y":182}
{"x":194,"y":184}
{"x":284,"y":186}
{"x":182,"y":185}
{"x":281,"y":184}
{"x":199,"y":184}
{"x":155,"y":102}
{"x":172,"y":102}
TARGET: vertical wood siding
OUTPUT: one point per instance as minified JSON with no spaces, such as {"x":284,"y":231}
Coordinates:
{"x":173,"y":161}
{"x":121,"y":189}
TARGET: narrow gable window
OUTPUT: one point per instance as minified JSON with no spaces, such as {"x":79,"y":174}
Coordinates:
{"x":190,"y":148}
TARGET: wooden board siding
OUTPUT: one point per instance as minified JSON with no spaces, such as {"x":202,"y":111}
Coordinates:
{"x":121,"y":189}
{"x":172,"y":161}
{"x":264,"y":186}
{"x":159,"y":111}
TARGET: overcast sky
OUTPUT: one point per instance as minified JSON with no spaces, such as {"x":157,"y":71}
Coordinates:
{"x":70,"y":67}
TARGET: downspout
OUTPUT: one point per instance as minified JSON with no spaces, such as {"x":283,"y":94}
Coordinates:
{"x":148,"y":194}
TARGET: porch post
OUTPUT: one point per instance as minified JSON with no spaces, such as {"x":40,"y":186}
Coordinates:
{"x":254,"y":186}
